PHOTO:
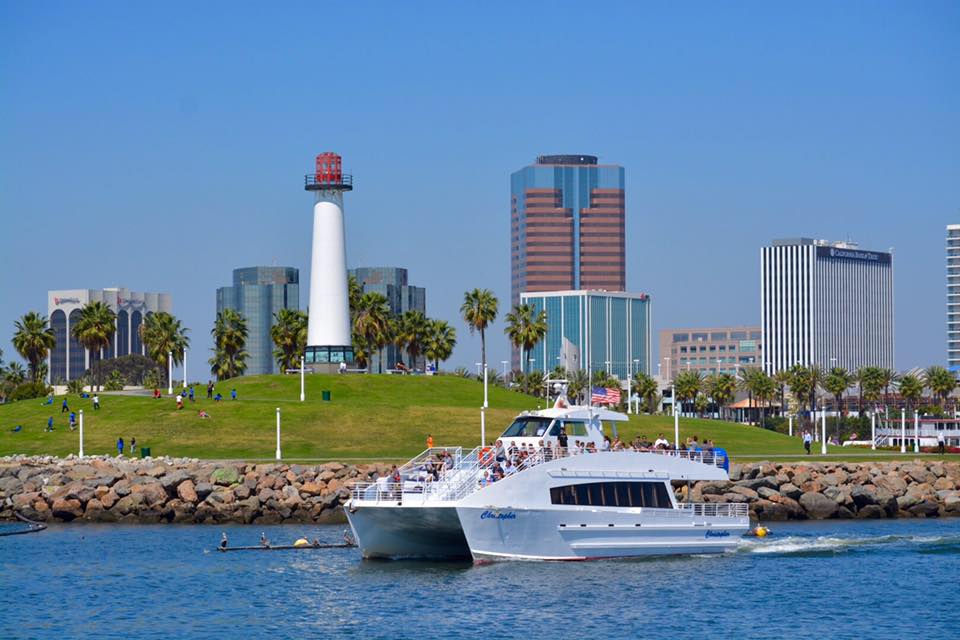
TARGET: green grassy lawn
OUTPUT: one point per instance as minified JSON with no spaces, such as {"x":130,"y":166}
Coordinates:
{"x":369,"y":417}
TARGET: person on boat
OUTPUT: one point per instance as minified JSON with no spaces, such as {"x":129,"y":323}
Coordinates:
{"x":562,"y":442}
{"x":605,"y":445}
{"x":498,"y":453}
{"x":223,"y":540}
{"x":617,"y":444}
{"x":661,"y":442}
{"x":508,"y":468}
{"x":263,"y":539}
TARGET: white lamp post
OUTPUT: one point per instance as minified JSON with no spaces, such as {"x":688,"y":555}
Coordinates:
{"x":636,"y":368}
{"x":184,"y":367}
{"x":676,"y":417}
{"x":916,"y":432}
{"x":81,"y":433}
{"x":278,"y":433}
{"x":903,"y":430}
{"x":873,"y":430}
{"x":302,"y":370}
{"x":483,"y":410}
{"x":504,"y":363}
{"x":790,"y":424}
{"x":169,"y":373}
{"x":823,"y":431}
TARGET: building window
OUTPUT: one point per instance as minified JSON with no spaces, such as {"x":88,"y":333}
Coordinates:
{"x":651,"y":495}
{"x":58,"y":355}
{"x":718,"y":335}
{"x":683,"y":349}
{"x":78,"y":361}
{"x":723,"y":347}
{"x":699,"y":337}
{"x":681,"y":337}
{"x":123,"y":333}
{"x":136,"y":346}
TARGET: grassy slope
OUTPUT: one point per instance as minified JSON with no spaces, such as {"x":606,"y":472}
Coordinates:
{"x":379,"y":417}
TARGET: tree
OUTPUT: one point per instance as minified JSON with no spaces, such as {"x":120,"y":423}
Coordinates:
{"x":33,"y":339}
{"x":479,"y":309}
{"x":94,"y":330}
{"x":289,"y":336}
{"x":700,"y":404}
{"x":229,"y":338}
{"x":646,"y":387}
{"x":525,"y":327}
{"x":163,"y":334}
{"x":354,"y":293}
{"x":887,"y":378}
{"x":441,"y":340}
{"x":412,"y":332}
{"x":577,"y":382}
{"x":760,"y":388}
{"x":941,"y":383}
{"x":687,"y":385}
{"x":782,"y":379}
{"x":836,"y":382}
{"x":871,"y":381}
{"x":371,"y":326}
{"x":14,"y":373}
{"x":722,"y":388}
{"x":911,"y":389}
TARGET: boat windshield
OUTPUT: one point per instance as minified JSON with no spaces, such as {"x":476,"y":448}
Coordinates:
{"x":527,"y":427}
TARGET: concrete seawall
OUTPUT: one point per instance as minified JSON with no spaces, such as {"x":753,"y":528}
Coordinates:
{"x":102,"y":489}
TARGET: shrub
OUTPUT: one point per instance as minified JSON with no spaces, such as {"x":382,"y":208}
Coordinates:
{"x":115,"y":382}
{"x":29,"y":390}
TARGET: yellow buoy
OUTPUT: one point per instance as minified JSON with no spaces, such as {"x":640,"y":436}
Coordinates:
{"x":761,"y":532}
{"x":302,"y":542}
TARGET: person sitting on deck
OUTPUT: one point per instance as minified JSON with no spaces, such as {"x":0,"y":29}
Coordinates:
{"x":617,"y":444}
{"x":661,"y":442}
{"x":223,"y":540}
{"x":508,"y":468}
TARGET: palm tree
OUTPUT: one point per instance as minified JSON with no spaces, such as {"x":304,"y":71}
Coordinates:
{"x":354,"y":293}
{"x":371,"y":326}
{"x":163,"y":334}
{"x":759,"y":387}
{"x":526,"y":327}
{"x":722,"y":388}
{"x":836,"y":382}
{"x":14,"y":373}
{"x":33,"y":339}
{"x":577,"y":382}
{"x":911,"y":389}
{"x":413,"y":328}
{"x":289,"y":335}
{"x":94,"y":330}
{"x":229,"y":338}
{"x":479,"y":309}
{"x":441,"y":340}
{"x":871,"y":380}
{"x":941,"y":383}
{"x":687,"y":385}
{"x":646,"y":387}
{"x":782,"y":379}
{"x":887,"y":378}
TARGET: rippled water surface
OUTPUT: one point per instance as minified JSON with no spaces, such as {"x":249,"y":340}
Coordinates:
{"x":879,"y":579}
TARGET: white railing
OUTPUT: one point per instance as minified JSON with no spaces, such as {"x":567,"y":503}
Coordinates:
{"x":715,"y":509}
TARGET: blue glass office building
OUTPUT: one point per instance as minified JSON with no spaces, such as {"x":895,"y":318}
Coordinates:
{"x":392,"y":283}
{"x":257,"y":294}
{"x":609,"y":331}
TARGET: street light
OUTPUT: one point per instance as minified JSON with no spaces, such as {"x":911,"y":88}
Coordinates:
{"x":676,"y":417}
{"x":504,"y":363}
{"x":169,"y":373}
{"x":278,"y":433}
{"x":81,"y":433}
{"x":302,"y":370}
{"x":636,"y":367}
{"x":184,"y":367}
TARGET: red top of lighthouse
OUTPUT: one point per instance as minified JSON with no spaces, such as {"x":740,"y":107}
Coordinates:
{"x":328,"y":174}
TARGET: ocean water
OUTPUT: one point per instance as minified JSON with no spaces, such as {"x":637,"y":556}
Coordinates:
{"x":834,"y":579}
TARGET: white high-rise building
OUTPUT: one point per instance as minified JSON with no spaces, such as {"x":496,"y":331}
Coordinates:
{"x":828,"y":304}
{"x":953,"y":297}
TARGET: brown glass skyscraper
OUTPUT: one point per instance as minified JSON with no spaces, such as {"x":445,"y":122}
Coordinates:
{"x":567,"y":226}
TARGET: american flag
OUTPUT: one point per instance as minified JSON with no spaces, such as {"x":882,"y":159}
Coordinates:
{"x":602,"y":395}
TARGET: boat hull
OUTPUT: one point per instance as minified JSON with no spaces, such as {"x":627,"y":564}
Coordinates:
{"x":408,"y":532}
{"x":582,"y":534}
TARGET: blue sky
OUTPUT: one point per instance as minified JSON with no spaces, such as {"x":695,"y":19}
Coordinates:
{"x":158,"y":146}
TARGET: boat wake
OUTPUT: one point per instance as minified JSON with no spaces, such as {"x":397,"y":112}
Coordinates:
{"x":832,"y":545}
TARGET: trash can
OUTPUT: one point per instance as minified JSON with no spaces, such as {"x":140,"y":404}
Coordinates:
{"x":144,"y":452}
{"x":325,"y":395}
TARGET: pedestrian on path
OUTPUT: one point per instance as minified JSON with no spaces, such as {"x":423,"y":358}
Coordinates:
{"x":119,"y":446}
{"x":96,"y":402}
{"x":133,"y":445}
{"x":941,"y":443}
{"x":807,"y":440}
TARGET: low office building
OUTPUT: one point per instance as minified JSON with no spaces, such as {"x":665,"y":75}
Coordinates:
{"x":709,"y":350}
{"x":68,"y":360}
{"x":826,"y":304}
{"x":393,"y":284}
{"x":257,"y":294}
{"x":594,"y":330}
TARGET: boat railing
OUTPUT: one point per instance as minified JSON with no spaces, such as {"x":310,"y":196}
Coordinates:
{"x":715,"y":509}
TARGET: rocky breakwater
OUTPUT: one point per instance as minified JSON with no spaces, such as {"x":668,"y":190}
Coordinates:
{"x":817,"y":491}
{"x":155,"y":490}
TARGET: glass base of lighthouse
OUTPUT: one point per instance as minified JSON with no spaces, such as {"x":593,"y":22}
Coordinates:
{"x":330,"y":355}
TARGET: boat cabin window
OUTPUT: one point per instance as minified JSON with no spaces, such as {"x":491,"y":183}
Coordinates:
{"x":571,"y":427}
{"x":613,"y":494}
{"x":527,"y":427}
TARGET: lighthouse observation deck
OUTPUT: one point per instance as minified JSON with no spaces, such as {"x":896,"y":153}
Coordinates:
{"x":328,"y":175}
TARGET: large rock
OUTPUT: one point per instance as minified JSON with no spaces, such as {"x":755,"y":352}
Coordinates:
{"x":862,"y":498}
{"x":746,"y":492}
{"x":173,"y":480}
{"x":791,"y":491}
{"x":153,"y":494}
{"x":872,"y":511}
{"x":204,"y":489}
{"x":225,"y":476}
{"x":767,"y":493}
{"x":129,"y":504}
{"x":818,"y":506}
{"x":892,"y":483}
{"x":66,"y":509}
{"x":756,"y":483}
{"x":187,"y":491}
{"x":925,"y":509}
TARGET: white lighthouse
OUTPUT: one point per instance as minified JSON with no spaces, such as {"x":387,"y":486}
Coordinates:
{"x":328,"y":327}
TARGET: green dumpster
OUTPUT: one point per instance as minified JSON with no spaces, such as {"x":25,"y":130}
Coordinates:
{"x":325,"y":395}
{"x":144,"y":452}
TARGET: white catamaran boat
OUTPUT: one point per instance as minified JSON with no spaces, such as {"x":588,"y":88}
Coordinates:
{"x":568,"y":498}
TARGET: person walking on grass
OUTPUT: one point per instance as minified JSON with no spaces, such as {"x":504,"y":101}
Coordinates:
{"x":941,"y":443}
{"x":64,"y":408}
{"x":96,"y":402}
{"x":49,"y":424}
{"x":192,"y":399}
{"x":133,"y":445}
{"x":429,"y":441}
{"x":120,"y":446}
{"x":179,"y":401}
{"x":807,"y":440}
{"x":209,"y":389}
{"x":73,"y":421}
{"x":233,"y":394}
